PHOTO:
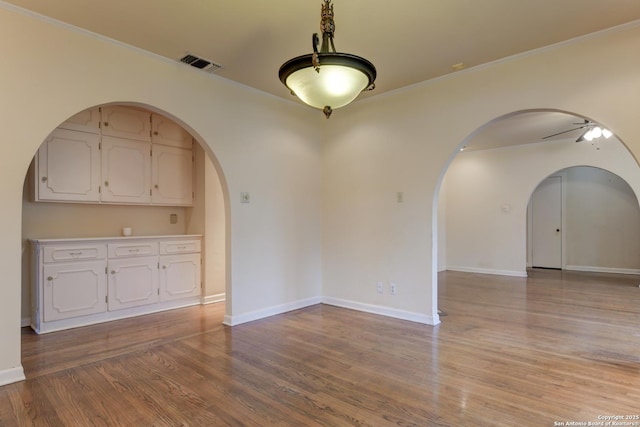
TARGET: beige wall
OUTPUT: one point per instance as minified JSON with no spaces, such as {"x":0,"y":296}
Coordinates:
{"x":484,"y":237}
{"x":602,"y":222}
{"x":215,"y":235}
{"x":323,"y":218}
{"x":258,"y":143}
{"x":404,"y":141}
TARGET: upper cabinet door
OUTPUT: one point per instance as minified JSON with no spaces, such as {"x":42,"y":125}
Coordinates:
{"x":85,"y":121}
{"x":126,"y":170}
{"x":167,"y":132}
{"x":124,"y":122}
{"x":172,"y":176}
{"x":68,"y":167}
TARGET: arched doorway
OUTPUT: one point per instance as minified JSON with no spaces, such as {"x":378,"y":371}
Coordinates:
{"x":483,"y":194}
{"x":596,"y":227}
{"x":205,"y":215}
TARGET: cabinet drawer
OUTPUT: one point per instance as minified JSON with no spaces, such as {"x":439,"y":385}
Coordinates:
{"x":122,"y":250}
{"x":179,"y":247}
{"x":74,"y":253}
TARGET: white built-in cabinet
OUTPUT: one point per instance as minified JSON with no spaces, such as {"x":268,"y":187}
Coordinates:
{"x":68,"y":167}
{"x":126,"y":170}
{"x":78,"y":282}
{"x":179,"y":269}
{"x":117,"y":155}
{"x":167,"y":132}
{"x":84,"y":121}
{"x":125,"y":122}
{"x":73,"y":289}
{"x":176,"y":187}
{"x":132,"y":274}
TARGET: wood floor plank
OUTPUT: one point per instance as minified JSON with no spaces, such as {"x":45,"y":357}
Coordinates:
{"x":554,"y":347}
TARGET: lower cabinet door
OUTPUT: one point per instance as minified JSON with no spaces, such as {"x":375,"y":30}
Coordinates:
{"x":73,"y":289}
{"x":179,"y":276}
{"x":132,"y":282}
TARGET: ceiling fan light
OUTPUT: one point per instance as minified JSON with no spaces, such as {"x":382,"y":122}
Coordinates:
{"x":596,"y":132}
{"x":606,"y":133}
{"x":589,"y":135}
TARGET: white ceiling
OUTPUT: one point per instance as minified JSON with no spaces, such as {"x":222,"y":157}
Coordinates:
{"x":409,"y":41}
{"x":527,"y":128}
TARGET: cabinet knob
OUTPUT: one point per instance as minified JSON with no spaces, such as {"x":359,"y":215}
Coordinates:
{"x":113,"y":272}
{"x":164,"y":267}
{"x":49,"y":278}
{"x":155,"y":133}
{"x":106,"y":183}
{"x":106,"y":123}
{"x":156,"y":186}
{"x":44,"y":179}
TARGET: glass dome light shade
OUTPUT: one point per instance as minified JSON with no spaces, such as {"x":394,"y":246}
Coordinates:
{"x":340,"y":79}
{"x":589,"y":135}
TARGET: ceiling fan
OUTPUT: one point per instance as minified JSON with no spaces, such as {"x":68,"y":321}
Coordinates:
{"x":592,"y":130}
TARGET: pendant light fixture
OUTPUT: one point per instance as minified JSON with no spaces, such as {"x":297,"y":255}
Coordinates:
{"x":327,"y":79}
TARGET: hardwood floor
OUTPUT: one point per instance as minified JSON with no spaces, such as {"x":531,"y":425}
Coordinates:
{"x":553,"y":348}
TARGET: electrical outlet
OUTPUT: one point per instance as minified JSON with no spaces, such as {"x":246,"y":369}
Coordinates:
{"x":173,"y":218}
{"x":380,"y":287}
{"x":393,"y":288}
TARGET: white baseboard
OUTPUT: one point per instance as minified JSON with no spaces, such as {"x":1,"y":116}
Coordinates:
{"x":270,"y":311}
{"x":91,"y":319}
{"x":26,"y":321}
{"x":12,"y":375}
{"x":383,"y":311}
{"x":210,"y":299}
{"x":592,"y":269}
{"x":514,"y":273}
{"x":352,"y":305}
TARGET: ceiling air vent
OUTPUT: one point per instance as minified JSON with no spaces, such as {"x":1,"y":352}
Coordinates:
{"x":201,"y":63}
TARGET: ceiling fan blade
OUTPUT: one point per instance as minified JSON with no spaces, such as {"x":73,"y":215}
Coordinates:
{"x":566,"y":131}
{"x":581,"y":137}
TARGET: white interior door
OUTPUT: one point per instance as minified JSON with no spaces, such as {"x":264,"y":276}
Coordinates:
{"x":546,"y":224}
